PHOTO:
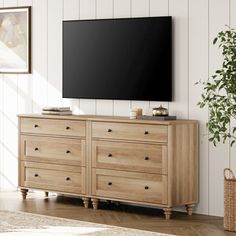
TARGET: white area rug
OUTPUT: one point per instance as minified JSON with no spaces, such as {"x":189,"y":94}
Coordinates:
{"x":25,"y":224}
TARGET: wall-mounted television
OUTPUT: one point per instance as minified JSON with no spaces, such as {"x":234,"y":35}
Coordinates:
{"x":126,"y":59}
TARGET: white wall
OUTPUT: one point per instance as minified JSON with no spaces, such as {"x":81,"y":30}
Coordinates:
{"x":196,"y":23}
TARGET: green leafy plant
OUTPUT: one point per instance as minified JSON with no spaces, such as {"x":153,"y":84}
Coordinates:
{"x":219,"y":92}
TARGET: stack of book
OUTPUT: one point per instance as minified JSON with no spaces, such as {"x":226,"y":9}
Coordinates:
{"x":56,"y":111}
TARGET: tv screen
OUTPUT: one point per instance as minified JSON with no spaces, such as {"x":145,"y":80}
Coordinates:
{"x":127,"y":59}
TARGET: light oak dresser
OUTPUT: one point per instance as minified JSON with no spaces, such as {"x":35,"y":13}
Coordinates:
{"x":145,"y":162}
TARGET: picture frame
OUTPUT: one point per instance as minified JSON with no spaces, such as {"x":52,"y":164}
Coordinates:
{"x":15,"y":40}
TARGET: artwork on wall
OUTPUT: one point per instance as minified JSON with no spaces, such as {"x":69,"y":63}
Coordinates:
{"x":15,"y":40}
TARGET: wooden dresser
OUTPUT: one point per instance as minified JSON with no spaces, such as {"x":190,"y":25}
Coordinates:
{"x":113,"y":158}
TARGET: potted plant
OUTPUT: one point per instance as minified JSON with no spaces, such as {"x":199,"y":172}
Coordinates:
{"x":219,"y":94}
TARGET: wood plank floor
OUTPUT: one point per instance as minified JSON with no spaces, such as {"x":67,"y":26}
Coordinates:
{"x":122,"y":215}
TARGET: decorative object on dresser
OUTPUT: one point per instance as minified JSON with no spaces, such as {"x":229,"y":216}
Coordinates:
{"x":56,"y":111}
{"x":160,"y":111}
{"x":147,"y":162}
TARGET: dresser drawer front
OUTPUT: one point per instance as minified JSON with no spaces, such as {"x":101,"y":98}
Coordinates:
{"x":53,"y":150}
{"x":150,"y":158}
{"x":53,"y":127}
{"x":139,"y":132}
{"x":53,"y":177}
{"x":138,"y":187}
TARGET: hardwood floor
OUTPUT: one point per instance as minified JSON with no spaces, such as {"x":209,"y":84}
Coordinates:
{"x":111,"y":214}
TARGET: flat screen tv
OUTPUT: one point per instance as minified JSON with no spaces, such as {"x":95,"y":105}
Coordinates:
{"x":126,"y":59}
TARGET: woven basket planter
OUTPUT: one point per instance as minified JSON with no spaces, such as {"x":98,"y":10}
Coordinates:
{"x":229,"y":200}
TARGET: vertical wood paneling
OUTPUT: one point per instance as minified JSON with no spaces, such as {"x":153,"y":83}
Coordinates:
{"x":25,"y":85}
{"x":121,"y":108}
{"x":159,"y":8}
{"x":88,"y":106}
{"x":87,"y":11}
{"x":71,"y":11}
{"x":9,"y":157}
{"x":39,"y":53}
{"x":55,"y":8}
{"x":104,"y":10}
{"x":218,"y":156}
{"x":179,"y":106}
{"x":10,"y":3}
{"x":232,"y":14}
{"x":1,"y":121}
{"x":198,"y":35}
{"x":233,"y":123}
{"x":104,"y":107}
{"x":122,"y":8}
{"x":140,"y":8}
{"x":24,"y":3}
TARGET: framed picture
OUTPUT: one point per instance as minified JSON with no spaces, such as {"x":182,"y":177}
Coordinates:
{"x":15,"y":40}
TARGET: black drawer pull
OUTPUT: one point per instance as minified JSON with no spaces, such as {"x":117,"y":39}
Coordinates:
{"x":146,"y":187}
{"x":110,"y":183}
{"x":109,"y":130}
{"x":36,"y":149}
{"x":35,"y":126}
{"x":146,"y":132}
{"x":146,"y":158}
{"x":110,"y":155}
{"x":67,"y":178}
{"x":67,"y":151}
{"x":36,"y":175}
{"x":67,"y":127}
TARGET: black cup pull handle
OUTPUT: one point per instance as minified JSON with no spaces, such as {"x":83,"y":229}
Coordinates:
{"x":109,"y":183}
{"x":109,"y":130}
{"x":67,"y":178}
{"x":67,"y":151}
{"x":36,"y":149}
{"x":36,"y":175}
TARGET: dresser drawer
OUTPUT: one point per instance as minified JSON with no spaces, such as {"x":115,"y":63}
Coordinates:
{"x":53,"y":127}
{"x":132,"y":186}
{"x":139,"y":132}
{"x":150,"y":158}
{"x":53,"y":150}
{"x":53,"y":177}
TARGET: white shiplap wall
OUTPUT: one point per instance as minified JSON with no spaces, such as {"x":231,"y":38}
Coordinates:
{"x":195,"y":24}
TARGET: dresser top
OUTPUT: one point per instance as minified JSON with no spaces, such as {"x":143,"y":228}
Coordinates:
{"x":121,"y":119}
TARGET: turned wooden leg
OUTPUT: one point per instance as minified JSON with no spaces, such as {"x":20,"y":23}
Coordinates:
{"x":167,"y":212}
{"x":86,"y":202}
{"x":189,"y":209}
{"x":46,"y":194}
{"x":95,"y":203}
{"x":24,"y":193}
